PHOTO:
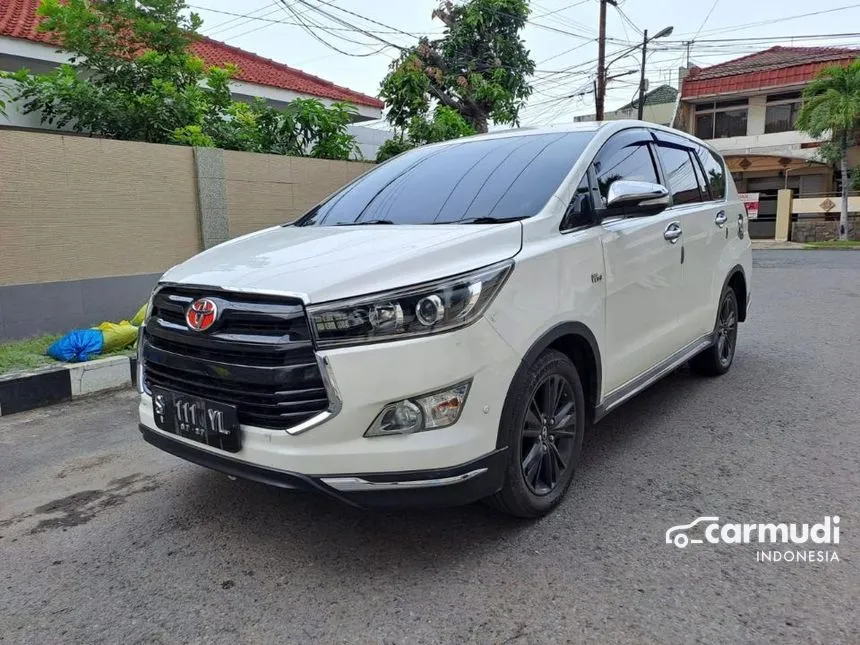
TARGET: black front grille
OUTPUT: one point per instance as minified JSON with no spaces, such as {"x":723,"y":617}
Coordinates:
{"x":257,"y":356}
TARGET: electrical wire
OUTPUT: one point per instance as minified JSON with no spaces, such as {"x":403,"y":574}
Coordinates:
{"x":313,"y":34}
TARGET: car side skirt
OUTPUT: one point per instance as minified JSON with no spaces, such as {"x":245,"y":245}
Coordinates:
{"x":651,"y":376}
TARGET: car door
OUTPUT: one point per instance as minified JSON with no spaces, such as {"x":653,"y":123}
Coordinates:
{"x":642,"y":255}
{"x":700,"y":222}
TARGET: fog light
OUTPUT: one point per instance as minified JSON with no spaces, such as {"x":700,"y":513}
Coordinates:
{"x":403,"y":417}
{"x":429,"y":412}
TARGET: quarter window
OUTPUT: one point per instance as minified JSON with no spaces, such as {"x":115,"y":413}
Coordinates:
{"x":680,"y":175}
{"x":714,"y":172}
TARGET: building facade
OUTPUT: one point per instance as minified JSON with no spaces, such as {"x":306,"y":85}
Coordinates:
{"x":746,"y":108}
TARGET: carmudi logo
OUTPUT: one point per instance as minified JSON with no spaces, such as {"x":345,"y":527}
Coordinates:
{"x":708,"y":529}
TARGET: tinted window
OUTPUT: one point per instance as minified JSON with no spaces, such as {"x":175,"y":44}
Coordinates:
{"x":714,"y":172}
{"x":781,"y":118}
{"x":680,"y":175}
{"x":580,"y":212}
{"x":705,"y":126}
{"x":632,"y":162}
{"x":731,"y":123}
{"x":499,"y":177}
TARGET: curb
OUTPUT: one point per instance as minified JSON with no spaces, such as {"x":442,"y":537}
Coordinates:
{"x":24,"y":391}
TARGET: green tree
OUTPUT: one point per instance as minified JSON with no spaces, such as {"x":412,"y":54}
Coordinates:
{"x":479,"y":69}
{"x":132,"y":76}
{"x":831,"y":107}
{"x":445,"y":124}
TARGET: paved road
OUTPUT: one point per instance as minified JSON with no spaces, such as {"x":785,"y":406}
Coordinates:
{"x":106,"y":540}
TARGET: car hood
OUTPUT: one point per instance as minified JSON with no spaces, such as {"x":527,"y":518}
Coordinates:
{"x":327,"y":263}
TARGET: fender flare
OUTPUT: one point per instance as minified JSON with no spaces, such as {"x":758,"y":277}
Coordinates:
{"x":570,"y":328}
{"x":731,"y":274}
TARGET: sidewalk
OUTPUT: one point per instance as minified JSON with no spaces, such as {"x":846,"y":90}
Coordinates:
{"x":761,"y":245}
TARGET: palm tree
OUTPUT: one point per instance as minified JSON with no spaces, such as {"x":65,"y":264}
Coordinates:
{"x":832,"y":105}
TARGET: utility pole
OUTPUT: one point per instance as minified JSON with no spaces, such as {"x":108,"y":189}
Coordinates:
{"x":601,"y":60}
{"x":641,"y":107}
{"x":645,"y":40}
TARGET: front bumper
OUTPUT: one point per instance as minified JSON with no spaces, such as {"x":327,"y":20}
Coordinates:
{"x":461,"y":484}
{"x":366,"y":378}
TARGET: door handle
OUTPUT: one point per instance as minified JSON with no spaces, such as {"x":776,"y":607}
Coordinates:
{"x":721,"y":219}
{"x":672,"y":232}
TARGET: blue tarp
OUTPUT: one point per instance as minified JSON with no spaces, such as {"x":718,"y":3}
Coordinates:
{"x":78,"y":345}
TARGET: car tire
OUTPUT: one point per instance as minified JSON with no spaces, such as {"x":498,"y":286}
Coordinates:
{"x":544,"y":422}
{"x":717,"y":359}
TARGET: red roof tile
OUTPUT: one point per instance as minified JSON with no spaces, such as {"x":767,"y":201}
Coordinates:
{"x":18,"y":20}
{"x":774,"y":67}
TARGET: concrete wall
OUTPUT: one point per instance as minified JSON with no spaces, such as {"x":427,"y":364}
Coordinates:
{"x":88,"y":225}
{"x":266,"y":190}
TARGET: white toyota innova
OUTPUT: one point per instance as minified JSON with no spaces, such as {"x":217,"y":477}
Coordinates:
{"x":445,"y":327}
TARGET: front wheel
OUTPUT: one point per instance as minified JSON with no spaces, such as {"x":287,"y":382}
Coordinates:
{"x":544,"y":421}
{"x":717,"y":359}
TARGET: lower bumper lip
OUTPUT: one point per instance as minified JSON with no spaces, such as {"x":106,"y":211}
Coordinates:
{"x":462,"y":484}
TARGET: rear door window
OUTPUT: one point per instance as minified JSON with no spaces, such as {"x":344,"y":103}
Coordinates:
{"x":680,"y":174}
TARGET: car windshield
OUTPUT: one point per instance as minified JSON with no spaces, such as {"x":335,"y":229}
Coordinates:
{"x":471,"y":182}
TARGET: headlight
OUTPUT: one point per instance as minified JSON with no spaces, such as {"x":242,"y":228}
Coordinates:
{"x":424,"y":309}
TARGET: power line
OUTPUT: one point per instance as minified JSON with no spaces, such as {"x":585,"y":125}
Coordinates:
{"x":750,"y":25}
{"x":281,"y":21}
{"x":316,"y":36}
{"x":704,"y":22}
{"x":236,"y":16}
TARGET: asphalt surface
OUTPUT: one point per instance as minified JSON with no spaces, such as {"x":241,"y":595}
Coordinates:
{"x":107,"y":540}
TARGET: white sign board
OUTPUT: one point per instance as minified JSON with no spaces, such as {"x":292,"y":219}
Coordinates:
{"x":750,"y":200}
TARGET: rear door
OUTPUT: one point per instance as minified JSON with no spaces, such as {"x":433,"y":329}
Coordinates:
{"x":703,"y":223}
{"x":643,"y":268}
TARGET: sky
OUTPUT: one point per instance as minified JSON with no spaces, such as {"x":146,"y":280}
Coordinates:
{"x":561,"y":37}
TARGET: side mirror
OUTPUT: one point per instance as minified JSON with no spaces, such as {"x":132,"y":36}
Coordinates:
{"x":637,"y":197}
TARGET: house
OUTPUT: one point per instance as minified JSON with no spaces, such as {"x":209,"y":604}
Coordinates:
{"x":746,"y":108}
{"x":23,"y":46}
{"x":659,"y":107}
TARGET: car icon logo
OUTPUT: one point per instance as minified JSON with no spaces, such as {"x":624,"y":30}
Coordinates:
{"x":677,"y":534}
{"x":201,"y":315}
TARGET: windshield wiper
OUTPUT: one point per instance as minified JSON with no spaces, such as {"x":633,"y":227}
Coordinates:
{"x":367,"y":223}
{"x":489,"y":220}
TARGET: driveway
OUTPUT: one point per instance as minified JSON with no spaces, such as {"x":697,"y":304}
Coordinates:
{"x":107,"y":540}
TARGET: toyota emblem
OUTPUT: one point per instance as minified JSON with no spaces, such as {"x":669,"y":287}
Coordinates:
{"x":202,"y":314}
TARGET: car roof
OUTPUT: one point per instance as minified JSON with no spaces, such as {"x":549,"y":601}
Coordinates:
{"x":605,"y":128}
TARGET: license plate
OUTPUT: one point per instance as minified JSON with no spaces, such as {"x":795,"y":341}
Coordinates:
{"x":209,"y":422}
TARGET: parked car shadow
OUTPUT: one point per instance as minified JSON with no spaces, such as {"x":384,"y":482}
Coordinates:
{"x":276,"y":520}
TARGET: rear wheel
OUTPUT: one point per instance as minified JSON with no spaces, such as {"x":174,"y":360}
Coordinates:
{"x":544,"y":422}
{"x":717,"y":359}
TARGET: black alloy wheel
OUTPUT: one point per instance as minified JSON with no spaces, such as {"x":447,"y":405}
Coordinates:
{"x":718,"y":358}
{"x":549,"y":434}
{"x":727,"y":330}
{"x":542,"y":425}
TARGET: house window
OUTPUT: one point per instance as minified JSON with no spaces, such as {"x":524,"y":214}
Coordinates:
{"x":721,"y":119}
{"x":781,"y":112}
